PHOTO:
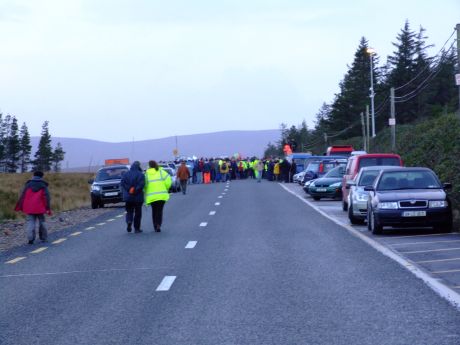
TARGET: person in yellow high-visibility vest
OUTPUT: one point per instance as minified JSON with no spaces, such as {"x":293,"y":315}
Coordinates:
{"x":157,"y":184}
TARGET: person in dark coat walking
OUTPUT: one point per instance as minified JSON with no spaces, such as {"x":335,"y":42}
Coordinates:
{"x":132,"y":185}
{"x":285,"y":167}
{"x":35,"y":202}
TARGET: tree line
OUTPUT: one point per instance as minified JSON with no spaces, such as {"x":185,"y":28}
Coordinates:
{"x":424,"y":87}
{"x":16,"y":148}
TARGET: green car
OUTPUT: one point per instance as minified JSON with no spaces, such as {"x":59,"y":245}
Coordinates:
{"x":328,"y":186}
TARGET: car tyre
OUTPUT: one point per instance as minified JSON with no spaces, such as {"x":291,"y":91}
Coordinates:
{"x":94,"y":204}
{"x":352,"y":218}
{"x":376,"y":227}
{"x":317,"y":198}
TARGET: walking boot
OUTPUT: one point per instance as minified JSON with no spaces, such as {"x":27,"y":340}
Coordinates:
{"x":129,"y":228}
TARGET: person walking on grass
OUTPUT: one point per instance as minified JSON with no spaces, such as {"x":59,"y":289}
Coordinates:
{"x":157,"y":184}
{"x":35,"y":202}
{"x":132,"y":185}
{"x":183,"y":174}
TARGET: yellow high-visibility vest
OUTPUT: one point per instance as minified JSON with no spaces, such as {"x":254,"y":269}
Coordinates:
{"x":157,"y":184}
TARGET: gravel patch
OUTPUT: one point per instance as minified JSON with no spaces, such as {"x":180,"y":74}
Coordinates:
{"x":13,"y":232}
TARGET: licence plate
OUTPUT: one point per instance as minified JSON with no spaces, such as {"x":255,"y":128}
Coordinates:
{"x":321,"y":189}
{"x":111,"y":194}
{"x":414,"y":213}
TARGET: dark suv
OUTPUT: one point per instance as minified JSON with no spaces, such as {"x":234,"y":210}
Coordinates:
{"x":105,"y":188}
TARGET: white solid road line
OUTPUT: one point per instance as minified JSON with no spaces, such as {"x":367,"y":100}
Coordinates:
{"x":212,"y":213}
{"x":39,"y":250}
{"x":415,"y":243}
{"x":442,"y":290}
{"x":76,"y":233}
{"x":15,"y":260}
{"x":217,"y":203}
{"x":446,"y":271}
{"x":191,"y":244}
{"x":166,"y":283}
{"x":430,"y":251}
{"x":59,"y":241}
{"x":120,"y":215}
{"x":427,"y":235}
{"x":203,"y":224}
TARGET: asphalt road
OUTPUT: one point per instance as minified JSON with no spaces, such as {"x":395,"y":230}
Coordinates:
{"x":264,"y":269}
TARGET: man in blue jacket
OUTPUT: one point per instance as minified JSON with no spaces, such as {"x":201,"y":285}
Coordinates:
{"x":132,"y":185}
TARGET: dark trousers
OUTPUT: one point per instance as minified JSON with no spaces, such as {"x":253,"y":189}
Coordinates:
{"x":134,"y":210}
{"x":157,"y":213}
{"x":183,"y":186}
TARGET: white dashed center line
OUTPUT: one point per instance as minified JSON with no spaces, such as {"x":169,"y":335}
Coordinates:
{"x":90,"y":228}
{"x":226,"y":190}
{"x":110,"y":220}
{"x":166,"y":283}
{"x":15,"y":260}
{"x":203,"y":224}
{"x":39,"y":250}
{"x":120,"y":215}
{"x":212,"y":213}
{"x":191,"y":244}
{"x":59,"y":241}
{"x":220,"y":196}
{"x":76,"y":233}
{"x":100,"y":224}
{"x":217,"y":203}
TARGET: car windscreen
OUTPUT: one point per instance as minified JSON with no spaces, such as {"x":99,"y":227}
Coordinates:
{"x":110,"y":174}
{"x":313,"y":166}
{"x":368,"y":177}
{"x":169,"y":171}
{"x":394,"y":180}
{"x":372,"y":162}
{"x":336,"y":172}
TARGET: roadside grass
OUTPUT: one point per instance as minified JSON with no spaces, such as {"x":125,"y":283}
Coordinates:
{"x":68,"y":191}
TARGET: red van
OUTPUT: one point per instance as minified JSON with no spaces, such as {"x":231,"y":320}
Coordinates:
{"x":368,"y":160}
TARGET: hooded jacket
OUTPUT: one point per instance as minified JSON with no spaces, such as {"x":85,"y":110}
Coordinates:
{"x":133,"y":178}
{"x":35,"y":198}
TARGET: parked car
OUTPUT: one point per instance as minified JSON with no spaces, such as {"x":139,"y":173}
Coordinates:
{"x":408,"y":197}
{"x":299,"y":159}
{"x":357,"y":196}
{"x":355,"y":163}
{"x":306,"y":186}
{"x":328,"y":186}
{"x":318,"y":168}
{"x":105,"y":187}
{"x":175,"y":183}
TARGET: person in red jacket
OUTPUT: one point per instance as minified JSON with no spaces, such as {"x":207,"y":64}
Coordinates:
{"x":35,"y":202}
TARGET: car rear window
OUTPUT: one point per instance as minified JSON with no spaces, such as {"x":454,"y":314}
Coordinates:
{"x":371,"y":162}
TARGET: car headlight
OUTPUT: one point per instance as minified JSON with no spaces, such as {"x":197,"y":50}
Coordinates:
{"x":336,"y":185}
{"x":438,"y":204}
{"x":95,"y":188}
{"x":360,"y":196}
{"x":388,"y":205}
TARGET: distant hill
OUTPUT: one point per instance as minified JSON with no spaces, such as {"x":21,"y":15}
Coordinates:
{"x":85,"y":154}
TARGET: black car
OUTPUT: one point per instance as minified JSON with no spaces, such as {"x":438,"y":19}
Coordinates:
{"x":408,"y":197}
{"x":105,"y":188}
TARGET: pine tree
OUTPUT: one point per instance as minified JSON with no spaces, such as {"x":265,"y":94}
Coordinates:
{"x":2,"y":142}
{"x":44,"y":154}
{"x":4,"y":137}
{"x":58,"y":157}
{"x":12,"y":146}
{"x":25,"y":148}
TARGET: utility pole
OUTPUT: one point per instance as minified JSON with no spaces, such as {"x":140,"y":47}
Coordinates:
{"x":393,"y":119}
{"x":458,"y":65}
{"x":364,"y":132}
{"x":368,"y":130}
{"x":325,"y":140}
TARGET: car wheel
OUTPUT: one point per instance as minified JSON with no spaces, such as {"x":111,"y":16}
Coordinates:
{"x":353,"y":219}
{"x":446,"y":227}
{"x":94,"y":204}
{"x":344,"y":206}
{"x":375,"y":224}
{"x":101,"y":204}
{"x":368,"y":219}
{"x":317,"y":198}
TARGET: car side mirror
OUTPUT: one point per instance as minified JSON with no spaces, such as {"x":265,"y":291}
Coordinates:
{"x":349,"y":184}
{"x":369,"y":188}
{"x":91,"y":181}
{"x":447,"y":186}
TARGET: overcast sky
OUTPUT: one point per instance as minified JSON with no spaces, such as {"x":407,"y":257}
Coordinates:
{"x":112,"y":70}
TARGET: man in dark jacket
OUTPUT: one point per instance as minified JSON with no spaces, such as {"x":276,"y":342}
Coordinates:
{"x":132,"y":185}
{"x":35,"y":202}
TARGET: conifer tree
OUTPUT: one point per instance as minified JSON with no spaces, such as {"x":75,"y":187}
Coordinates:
{"x":58,"y":157}
{"x":25,"y":148}
{"x":12,"y":146}
{"x":44,"y":154}
{"x":2,"y":143}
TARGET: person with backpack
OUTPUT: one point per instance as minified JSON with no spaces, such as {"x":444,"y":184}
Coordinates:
{"x":132,"y":186}
{"x":224,"y":169}
{"x":183,"y":175}
{"x":35,"y":202}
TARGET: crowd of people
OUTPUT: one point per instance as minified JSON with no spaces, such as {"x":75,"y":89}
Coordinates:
{"x":212,"y":170}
